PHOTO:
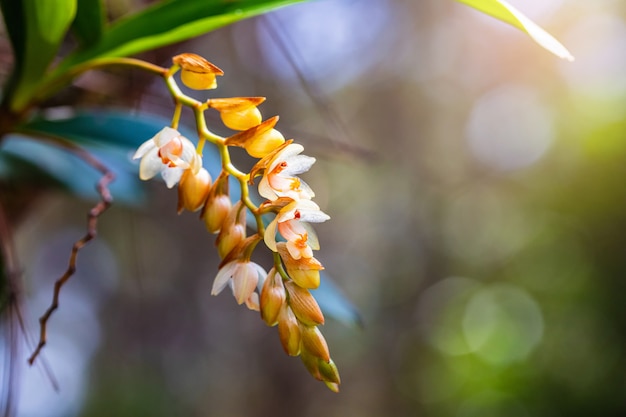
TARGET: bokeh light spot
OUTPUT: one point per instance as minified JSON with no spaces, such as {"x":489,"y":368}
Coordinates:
{"x":502,"y":324}
{"x":509,"y":128}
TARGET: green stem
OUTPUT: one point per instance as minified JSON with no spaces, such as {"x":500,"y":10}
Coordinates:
{"x":54,"y":84}
{"x":177,"y":111}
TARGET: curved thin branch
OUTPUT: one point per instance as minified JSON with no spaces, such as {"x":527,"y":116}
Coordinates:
{"x":92,"y":230}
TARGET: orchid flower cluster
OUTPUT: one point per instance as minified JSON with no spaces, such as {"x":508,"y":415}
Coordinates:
{"x":281,"y":295}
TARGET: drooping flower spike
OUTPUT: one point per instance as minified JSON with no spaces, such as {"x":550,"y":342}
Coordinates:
{"x":282,"y":297}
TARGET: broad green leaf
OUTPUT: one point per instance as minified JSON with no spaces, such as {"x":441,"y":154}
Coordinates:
{"x":23,"y":159}
{"x":46,"y":22}
{"x":169,"y":22}
{"x":503,"y":11}
{"x":88,"y":26}
{"x":112,"y":137}
{"x":334,"y":304}
{"x":105,"y":128}
{"x":125,"y":131}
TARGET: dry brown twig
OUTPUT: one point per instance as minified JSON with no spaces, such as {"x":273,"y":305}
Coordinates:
{"x":92,"y":230}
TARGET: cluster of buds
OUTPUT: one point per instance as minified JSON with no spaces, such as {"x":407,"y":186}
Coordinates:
{"x":282,"y":296}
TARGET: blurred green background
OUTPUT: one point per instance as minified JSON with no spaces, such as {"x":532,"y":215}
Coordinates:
{"x":476,"y":188}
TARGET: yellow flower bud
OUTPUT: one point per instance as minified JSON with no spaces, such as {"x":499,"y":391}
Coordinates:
{"x":273,"y":297}
{"x":243,"y":119}
{"x":329,"y":373}
{"x":193,"y":189}
{"x":334,"y":387}
{"x":311,"y":363}
{"x":304,"y":305}
{"x":259,"y":140}
{"x":264,"y":143}
{"x":289,"y":331}
{"x":197,"y":73}
{"x":321,"y":370}
{"x":238,"y":113}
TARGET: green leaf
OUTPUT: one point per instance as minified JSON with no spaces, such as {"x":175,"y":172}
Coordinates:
{"x":169,"y":22}
{"x":89,"y":25}
{"x":334,"y":304}
{"x":46,"y":22}
{"x":111,"y":137}
{"x":31,"y":161}
{"x":104,"y":128}
{"x":503,"y":11}
{"x":125,"y":131}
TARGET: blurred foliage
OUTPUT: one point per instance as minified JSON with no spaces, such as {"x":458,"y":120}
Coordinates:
{"x":483,"y":244}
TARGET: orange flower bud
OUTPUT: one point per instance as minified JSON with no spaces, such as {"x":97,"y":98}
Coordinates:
{"x":197,"y":73}
{"x":289,"y":331}
{"x":304,"y":305}
{"x":229,"y":238}
{"x":217,"y":205}
{"x":215,"y":211}
{"x":193,"y":189}
{"x":273,"y":297}
{"x":233,"y":230}
{"x":304,"y":271}
{"x":314,"y":343}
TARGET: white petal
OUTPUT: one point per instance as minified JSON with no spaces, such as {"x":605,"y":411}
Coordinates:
{"x":289,"y":211}
{"x":290,"y":151}
{"x":312,"y":240}
{"x":304,"y":193}
{"x":245,"y":280}
{"x":313,"y":216}
{"x":297,"y":165}
{"x":260,"y":271}
{"x":270,"y":235}
{"x":265,"y":190}
{"x":165,"y":135}
{"x":294,"y":251}
{"x":253,"y":302}
{"x":310,"y":212}
{"x":189,"y":151}
{"x":150,"y":164}
{"x":222,"y":278}
{"x":144,"y":148}
{"x":305,"y":189}
{"x":172,"y":175}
